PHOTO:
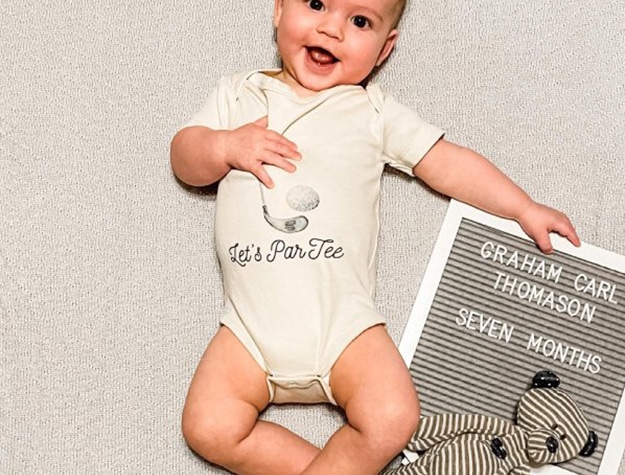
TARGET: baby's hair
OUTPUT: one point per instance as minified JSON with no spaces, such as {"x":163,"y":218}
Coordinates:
{"x":400,"y":8}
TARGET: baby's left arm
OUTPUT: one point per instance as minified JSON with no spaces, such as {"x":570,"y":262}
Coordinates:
{"x":465,"y":175}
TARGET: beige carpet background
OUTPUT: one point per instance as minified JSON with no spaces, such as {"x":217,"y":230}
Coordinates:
{"x":109,"y":287}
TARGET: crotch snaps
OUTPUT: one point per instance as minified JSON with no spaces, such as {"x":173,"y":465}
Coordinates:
{"x":306,"y":389}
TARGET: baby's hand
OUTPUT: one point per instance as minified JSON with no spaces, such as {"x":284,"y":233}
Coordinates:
{"x":539,"y":220}
{"x":252,"y":145}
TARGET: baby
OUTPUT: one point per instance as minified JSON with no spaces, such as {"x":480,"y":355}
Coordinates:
{"x":298,"y":153}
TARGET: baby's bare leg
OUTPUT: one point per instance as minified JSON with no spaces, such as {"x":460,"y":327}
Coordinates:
{"x":370,"y":381}
{"x":220,"y":417}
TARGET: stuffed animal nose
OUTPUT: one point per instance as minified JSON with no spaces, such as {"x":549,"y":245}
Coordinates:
{"x":552,"y":445}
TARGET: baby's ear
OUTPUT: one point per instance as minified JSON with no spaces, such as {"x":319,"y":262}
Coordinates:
{"x":277,"y":12}
{"x":389,"y":44}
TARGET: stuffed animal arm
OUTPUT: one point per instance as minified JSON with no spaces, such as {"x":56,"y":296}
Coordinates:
{"x":550,"y":428}
{"x":441,"y":427}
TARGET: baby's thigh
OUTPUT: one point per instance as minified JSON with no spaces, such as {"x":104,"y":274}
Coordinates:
{"x":228,"y":386}
{"x":371,"y":382}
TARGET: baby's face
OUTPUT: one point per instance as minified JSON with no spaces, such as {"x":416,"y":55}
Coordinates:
{"x":325,"y":43}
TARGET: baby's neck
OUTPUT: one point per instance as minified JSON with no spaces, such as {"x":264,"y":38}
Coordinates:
{"x":296,"y":87}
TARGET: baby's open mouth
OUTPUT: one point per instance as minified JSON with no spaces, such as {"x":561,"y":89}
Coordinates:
{"x":321,"y":56}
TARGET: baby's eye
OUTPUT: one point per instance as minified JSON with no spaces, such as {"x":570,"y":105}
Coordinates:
{"x":360,"y":21}
{"x":315,"y":5}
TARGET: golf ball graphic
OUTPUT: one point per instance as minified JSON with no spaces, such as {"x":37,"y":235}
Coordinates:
{"x":302,"y":198}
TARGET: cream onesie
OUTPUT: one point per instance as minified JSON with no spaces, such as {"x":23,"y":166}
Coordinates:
{"x":299,"y":260}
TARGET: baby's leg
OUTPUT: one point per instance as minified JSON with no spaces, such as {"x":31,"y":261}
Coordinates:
{"x":370,"y":381}
{"x":220,"y":417}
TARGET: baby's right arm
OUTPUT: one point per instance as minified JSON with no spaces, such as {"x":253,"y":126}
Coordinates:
{"x":201,"y":156}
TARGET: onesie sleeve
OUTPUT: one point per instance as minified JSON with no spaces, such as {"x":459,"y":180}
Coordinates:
{"x":407,"y":138}
{"x":215,"y":113}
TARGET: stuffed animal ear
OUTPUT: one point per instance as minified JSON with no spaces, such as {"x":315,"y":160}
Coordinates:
{"x":545,"y":379}
{"x":591,"y":445}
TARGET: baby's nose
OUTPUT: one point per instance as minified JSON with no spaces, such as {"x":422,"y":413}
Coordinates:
{"x":331,"y":24}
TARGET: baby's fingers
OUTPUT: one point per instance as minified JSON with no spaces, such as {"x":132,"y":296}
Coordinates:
{"x":565,"y":229}
{"x":544,"y":242}
{"x":278,"y":160}
{"x":274,"y":159}
{"x":261,"y":174}
{"x":281,"y":154}
{"x":561,"y":225}
{"x":283,"y":146}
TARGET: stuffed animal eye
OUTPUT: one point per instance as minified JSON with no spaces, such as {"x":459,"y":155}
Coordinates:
{"x":555,"y":427}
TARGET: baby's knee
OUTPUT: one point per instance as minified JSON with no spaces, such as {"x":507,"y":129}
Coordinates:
{"x":211,"y":436}
{"x":403,"y":417}
{"x":396,"y":421}
{"x":202,"y":435}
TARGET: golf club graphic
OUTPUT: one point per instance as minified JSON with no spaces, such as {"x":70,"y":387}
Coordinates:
{"x":286,"y":225}
{"x":300,"y":198}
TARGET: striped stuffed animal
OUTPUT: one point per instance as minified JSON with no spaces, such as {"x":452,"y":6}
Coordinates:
{"x":550,"y":428}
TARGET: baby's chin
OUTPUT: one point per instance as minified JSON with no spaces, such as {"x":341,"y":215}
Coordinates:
{"x":307,"y":87}
{"x":316,"y":85}
{"x":308,"y":84}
